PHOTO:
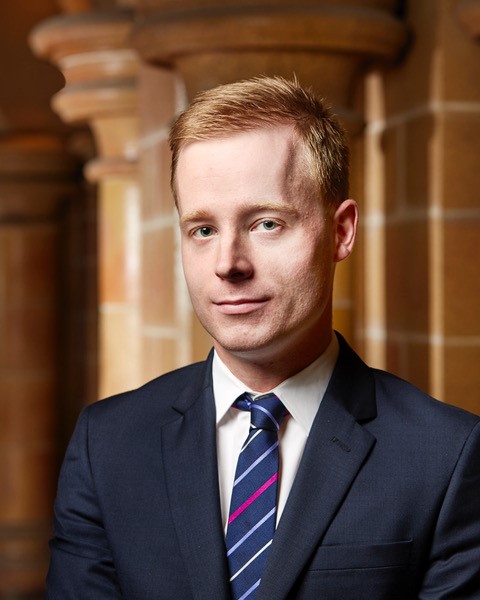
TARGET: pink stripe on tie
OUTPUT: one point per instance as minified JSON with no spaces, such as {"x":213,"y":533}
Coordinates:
{"x":253,"y":497}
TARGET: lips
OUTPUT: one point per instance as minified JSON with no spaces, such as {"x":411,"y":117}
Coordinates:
{"x":240,"y":306}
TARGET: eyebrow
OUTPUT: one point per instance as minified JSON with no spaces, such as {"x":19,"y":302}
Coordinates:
{"x":203,"y":215}
{"x":195,"y":216}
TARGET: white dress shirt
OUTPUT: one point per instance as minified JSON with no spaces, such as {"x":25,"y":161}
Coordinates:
{"x":300,"y":394}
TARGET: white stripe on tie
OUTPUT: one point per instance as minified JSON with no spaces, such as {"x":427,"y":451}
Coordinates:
{"x":251,"y":560}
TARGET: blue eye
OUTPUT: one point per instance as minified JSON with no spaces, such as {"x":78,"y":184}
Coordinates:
{"x":269,"y":225}
{"x":203,"y":232}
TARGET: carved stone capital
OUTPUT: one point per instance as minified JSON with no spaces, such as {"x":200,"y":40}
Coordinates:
{"x":325,"y":44}
{"x":100,"y":68}
{"x":92,"y":51}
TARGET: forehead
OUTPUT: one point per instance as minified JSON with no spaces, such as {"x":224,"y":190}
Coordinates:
{"x":278,"y":138}
{"x":261,"y":157}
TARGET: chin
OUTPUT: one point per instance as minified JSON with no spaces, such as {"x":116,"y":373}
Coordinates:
{"x":236,"y":347}
{"x":247,"y":347}
{"x":241,"y":341}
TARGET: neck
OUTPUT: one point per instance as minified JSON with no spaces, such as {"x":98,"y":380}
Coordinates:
{"x":263,"y":371}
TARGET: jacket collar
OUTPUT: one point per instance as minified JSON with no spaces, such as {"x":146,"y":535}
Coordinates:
{"x":191,"y":474}
{"x":335,"y":451}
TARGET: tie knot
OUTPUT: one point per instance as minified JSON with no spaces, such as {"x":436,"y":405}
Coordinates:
{"x":266,"y":412}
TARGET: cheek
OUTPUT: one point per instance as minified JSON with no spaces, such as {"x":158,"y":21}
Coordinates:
{"x":310,"y":280}
{"x":303,"y":268}
{"x":191,"y":264}
{"x":194,"y":279}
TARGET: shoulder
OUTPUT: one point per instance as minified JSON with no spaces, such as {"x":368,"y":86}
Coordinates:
{"x":389,"y":386}
{"x":410,"y":414}
{"x":153,"y":399}
{"x":394,"y":399}
{"x":392,"y":408}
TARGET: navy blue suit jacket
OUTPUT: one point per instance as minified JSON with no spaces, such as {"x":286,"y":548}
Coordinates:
{"x":385,"y":505}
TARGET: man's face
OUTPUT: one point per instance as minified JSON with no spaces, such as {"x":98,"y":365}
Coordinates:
{"x":258,"y":250}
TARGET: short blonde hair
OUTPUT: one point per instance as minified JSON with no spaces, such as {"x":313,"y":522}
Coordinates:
{"x":265,"y":102}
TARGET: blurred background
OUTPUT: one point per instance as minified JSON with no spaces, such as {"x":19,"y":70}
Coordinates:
{"x":92,"y":299}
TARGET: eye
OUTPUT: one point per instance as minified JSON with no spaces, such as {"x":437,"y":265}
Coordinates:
{"x":267,"y":225}
{"x":203,"y":232}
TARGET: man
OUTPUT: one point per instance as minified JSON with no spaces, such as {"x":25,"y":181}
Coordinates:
{"x":362,"y":487}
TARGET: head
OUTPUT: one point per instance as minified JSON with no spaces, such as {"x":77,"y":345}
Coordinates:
{"x":321,"y":150}
{"x":260,"y":175}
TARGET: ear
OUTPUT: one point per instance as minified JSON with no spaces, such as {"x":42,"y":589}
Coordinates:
{"x":345,"y":229}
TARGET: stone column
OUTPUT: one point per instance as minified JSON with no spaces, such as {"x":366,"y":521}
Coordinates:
{"x":462,"y":273}
{"x":35,"y":180}
{"x":326,"y":44}
{"x":93,"y":53}
{"x":427,"y":134}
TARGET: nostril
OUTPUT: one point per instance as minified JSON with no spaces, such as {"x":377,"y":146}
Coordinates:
{"x":236,"y":271}
{"x":234,"y":274}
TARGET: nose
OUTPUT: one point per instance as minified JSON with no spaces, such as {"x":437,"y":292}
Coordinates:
{"x":233,"y":258}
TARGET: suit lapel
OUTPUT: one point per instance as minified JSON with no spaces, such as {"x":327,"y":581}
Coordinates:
{"x":335,"y":451}
{"x":189,"y":451}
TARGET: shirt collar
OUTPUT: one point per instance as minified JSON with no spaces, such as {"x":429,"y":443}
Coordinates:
{"x":301,"y":394}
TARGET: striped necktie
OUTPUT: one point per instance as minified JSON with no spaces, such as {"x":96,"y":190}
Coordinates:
{"x":251,"y":522}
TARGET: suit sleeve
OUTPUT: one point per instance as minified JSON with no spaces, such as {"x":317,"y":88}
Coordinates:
{"x":454,"y":567}
{"x":81,"y":564}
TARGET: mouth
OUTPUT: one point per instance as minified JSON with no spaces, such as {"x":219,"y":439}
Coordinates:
{"x":240,"y":306}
